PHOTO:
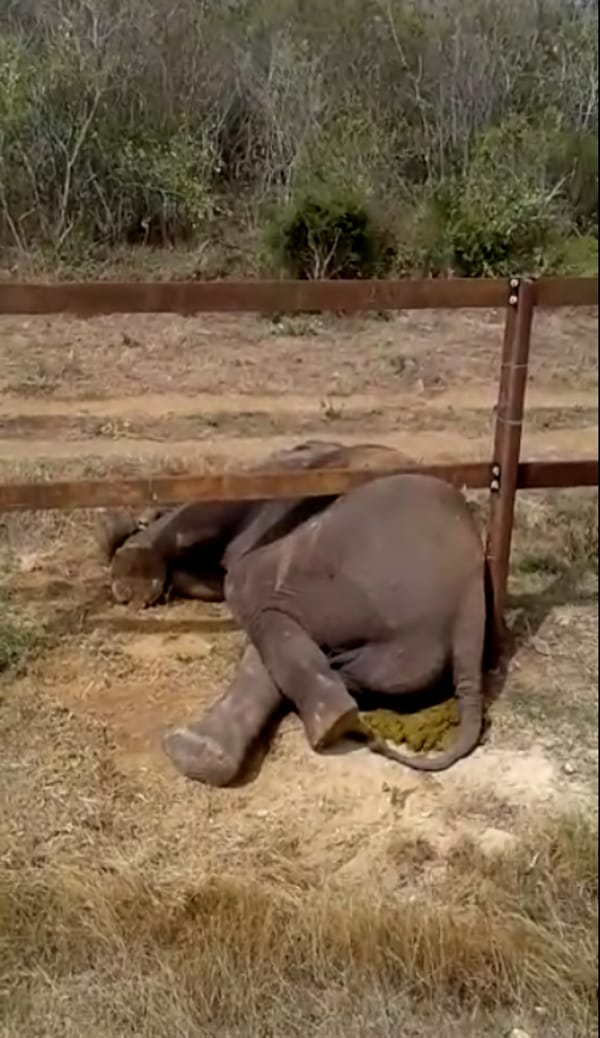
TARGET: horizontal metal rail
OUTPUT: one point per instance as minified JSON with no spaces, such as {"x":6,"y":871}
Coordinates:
{"x":248,"y":486}
{"x":188,"y":297}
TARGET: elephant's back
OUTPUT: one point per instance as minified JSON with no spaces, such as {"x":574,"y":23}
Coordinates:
{"x":409,"y":536}
{"x":407,"y":508}
{"x":393,"y":556}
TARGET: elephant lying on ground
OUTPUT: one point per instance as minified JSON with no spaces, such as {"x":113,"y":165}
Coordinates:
{"x":381,"y":590}
{"x":170,"y":550}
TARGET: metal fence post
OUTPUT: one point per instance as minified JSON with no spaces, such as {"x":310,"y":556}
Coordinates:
{"x":507,"y":440}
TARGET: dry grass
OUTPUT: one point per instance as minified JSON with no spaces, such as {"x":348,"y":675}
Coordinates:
{"x":417,"y":351}
{"x":165,"y":951}
{"x":556,"y":533}
{"x":120,"y":915}
{"x":18,"y":639}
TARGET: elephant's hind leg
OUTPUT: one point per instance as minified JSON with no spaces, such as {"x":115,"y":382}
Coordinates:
{"x":213,"y":749}
{"x":301,"y":671}
{"x":389,"y":668}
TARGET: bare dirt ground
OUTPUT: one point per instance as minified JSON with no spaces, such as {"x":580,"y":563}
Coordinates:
{"x":87,"y":792}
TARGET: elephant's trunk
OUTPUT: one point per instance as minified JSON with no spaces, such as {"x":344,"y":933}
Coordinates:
{"x":469,"y":732}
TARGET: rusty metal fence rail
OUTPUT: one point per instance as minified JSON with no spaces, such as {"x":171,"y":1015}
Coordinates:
{"x":503,"y":475}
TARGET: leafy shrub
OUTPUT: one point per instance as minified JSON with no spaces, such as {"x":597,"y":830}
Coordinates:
{"x":423,"y":249}
{"x":580,"y":161}
{"x":498,"y":233}
{"x":157,"y":190}
{"x":75,"y":168}
{"x":506,"y":210}
{"x":328,"y":233}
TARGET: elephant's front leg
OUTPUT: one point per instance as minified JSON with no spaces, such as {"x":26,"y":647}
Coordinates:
{"x":213,"y":749}
{"x":301,"y":671}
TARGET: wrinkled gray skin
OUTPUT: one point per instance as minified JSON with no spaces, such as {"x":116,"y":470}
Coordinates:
{"x":381,"y":591}
{"x":146,"y":565}
{"x":180,"y":550}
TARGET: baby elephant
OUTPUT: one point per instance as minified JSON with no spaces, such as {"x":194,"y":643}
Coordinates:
{"x":383,"y":591}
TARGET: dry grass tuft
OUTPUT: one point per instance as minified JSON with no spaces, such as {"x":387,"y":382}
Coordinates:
{"x":20,"y":637}
{"x":233,"y":954}
{"x":557,"y":533}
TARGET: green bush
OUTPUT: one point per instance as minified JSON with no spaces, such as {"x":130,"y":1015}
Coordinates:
{"x":498,"y":233}
{"x":328,"y":233}
{"x":580,"y":160}
{"x":504,"y":213}
{"x":157,"y":189}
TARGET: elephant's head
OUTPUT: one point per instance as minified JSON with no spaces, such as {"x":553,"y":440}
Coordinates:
{"x":197,"y":538}
{"x":138,"y":574}
{"x":144,"y":552}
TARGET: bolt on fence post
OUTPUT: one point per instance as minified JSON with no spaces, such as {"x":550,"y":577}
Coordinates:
{"x":507,"y":441}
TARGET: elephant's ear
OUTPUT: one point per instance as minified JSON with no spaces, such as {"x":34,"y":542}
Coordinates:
{"x":112,"y":530}
{"x":307,"y":455}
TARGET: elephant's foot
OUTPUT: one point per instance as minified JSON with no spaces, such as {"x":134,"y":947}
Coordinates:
{"x":329,"y":715}
{"x":215,"y":749}
{"x":302,"y":672}
{"x":199,"y":756}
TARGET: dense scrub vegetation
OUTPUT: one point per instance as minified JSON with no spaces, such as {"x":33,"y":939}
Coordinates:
{"x":355,"y":137}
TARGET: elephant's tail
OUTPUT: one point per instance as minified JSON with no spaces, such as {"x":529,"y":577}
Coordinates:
{"x":494,"y":625}
{"x":470,"y":706}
